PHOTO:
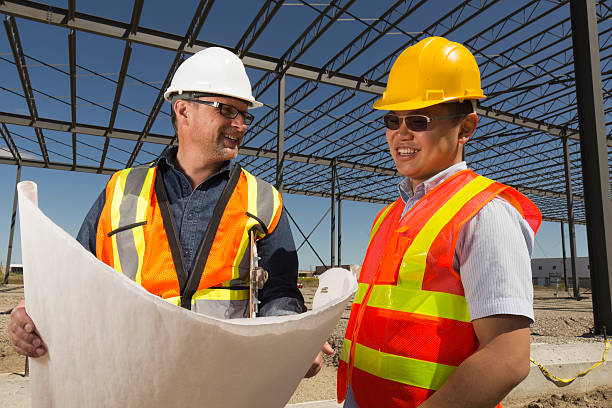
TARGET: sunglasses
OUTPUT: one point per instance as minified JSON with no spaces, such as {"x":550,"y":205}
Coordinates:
{"x":416,"y":123}
{"x":227,"y":111}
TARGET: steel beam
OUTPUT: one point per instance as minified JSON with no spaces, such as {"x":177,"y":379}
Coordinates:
{"x":13,"y":36}
{"x":187,"y":41}
{"x":259,"y":23}
{"x":122,"y":31}
{"x":12,"y":232}
{"x":594,"y":153}
{"x":57,"y":125}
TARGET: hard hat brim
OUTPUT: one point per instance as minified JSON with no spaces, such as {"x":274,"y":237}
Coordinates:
{"x":251,"y":102}
{"x":417,"y":104}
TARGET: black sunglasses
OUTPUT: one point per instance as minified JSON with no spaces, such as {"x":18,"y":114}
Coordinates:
{"x":227,"y":111}
{"x":416,"y":123}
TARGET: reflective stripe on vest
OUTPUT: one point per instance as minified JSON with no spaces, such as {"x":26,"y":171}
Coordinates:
{"x":409,"y":326}
{"x":131,"y":221}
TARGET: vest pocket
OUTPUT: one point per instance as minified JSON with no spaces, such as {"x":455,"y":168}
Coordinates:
{"x":126,"y":227}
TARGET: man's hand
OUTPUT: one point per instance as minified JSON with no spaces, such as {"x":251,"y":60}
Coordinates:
{"x":22,"y":333}
{"x":316,"y":365}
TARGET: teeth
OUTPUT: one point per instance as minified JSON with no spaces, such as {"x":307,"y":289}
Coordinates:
{"x":406,"y":150}
{"x":231,"y":137}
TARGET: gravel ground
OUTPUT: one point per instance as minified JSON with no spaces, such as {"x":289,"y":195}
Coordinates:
{"x":558,"y":320}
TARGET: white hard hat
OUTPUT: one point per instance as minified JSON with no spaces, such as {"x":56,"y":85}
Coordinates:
{"x":213,"y":70}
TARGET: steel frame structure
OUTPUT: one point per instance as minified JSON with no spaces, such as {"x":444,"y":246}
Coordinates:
{"x":318,"y":124}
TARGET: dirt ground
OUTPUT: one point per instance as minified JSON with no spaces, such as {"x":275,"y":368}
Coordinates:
{"x":558,"y":320}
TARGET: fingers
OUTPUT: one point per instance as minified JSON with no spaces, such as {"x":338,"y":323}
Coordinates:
{"x":315,"y":367}
{"x":327,"y":349}
{"x":22,"y":333}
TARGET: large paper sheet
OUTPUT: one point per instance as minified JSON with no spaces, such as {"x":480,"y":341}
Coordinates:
{"x":113,"y":344}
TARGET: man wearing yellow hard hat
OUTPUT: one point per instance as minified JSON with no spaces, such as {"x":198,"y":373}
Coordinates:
{"x":442,"y":314}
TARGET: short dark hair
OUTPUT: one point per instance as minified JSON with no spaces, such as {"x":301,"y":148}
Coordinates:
{"x":460,"y":108}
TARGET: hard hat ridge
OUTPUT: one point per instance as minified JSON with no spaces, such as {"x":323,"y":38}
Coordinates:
{"x":213,"y":70}
{"x":435,"y":70}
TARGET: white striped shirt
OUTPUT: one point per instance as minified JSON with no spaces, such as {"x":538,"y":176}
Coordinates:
{"x":492,"y":255}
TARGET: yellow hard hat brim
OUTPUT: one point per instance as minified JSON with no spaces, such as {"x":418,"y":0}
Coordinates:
{"x":381,"y":104}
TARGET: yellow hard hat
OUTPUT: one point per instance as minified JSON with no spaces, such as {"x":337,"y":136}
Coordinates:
{"x":435,"y":70}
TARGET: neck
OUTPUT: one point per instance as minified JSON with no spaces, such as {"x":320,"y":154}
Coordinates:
{"x":194,"y":168}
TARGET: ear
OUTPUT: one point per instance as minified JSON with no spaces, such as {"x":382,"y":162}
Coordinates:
{"x":467,"y":127}
{"x":181,"y":111}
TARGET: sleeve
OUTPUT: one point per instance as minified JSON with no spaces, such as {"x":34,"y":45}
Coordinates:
{"x":493,"y":258}
{"x":280,"y":295}
{"x":89,"y":228}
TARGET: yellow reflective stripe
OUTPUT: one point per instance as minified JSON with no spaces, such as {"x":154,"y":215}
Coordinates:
{"x":346,"y":350}
{"x":413,"y":263}
{"x":141,"y":215}
{"x":361,"y":292}
{"x":435,"y":304}
{"x":252,"y":209}
{"x":405,"y":370}
{"x":221,"y":294}
{"x":176,"y":300}
{"x":379,"y":221}
{"x":116,"y":215}
{"x":214,"y":294}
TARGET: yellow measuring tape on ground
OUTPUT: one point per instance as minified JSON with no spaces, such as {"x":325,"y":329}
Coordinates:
{"x":569,"y":380}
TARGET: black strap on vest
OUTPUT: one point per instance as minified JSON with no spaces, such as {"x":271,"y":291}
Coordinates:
{"x":209,"y":236}
{"x":189,"y":283}
{"x":171,"y":233}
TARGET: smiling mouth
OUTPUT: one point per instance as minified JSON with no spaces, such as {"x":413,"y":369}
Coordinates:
{"x":234,"y":139}
{"x":406,"y":152}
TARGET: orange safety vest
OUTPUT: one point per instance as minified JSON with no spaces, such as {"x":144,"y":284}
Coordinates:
{"x":136,"y":236}
{"x":409,"y":326}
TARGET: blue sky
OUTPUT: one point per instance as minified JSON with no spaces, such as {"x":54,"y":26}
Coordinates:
{"x":66,"y":196}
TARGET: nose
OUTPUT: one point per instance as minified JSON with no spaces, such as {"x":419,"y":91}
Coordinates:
{"x":239,"y":123}
{"x":404,"y":132}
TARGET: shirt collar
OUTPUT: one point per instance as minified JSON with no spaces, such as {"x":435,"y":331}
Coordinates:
{"x":405,"y":186}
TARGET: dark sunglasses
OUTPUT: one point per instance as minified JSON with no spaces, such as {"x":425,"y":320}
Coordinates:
{"x":227,"y":111}
{"x":416,"y":123}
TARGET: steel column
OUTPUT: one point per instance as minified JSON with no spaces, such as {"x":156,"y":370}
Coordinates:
{"x":339,"y":231}
{"x":333,"y":215}
{"x":570,"y":217}
{"x":564,"y":258}
{"x":280,"y":136}
{"x":594,"y":154}
{"x":10,"y":243}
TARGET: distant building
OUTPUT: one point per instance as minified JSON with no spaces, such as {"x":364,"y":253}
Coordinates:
{"x":17,"y":268}
{"x":546,"y":271}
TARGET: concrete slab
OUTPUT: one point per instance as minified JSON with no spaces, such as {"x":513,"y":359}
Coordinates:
{"x":315,"y":404}
{"x":564,"y":361}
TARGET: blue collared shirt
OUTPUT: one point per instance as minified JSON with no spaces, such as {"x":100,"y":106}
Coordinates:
{"x":192,"y":211}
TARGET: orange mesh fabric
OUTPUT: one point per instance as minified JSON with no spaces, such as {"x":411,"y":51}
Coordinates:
{"x":158,"y":275}
{"x":227,"y":241}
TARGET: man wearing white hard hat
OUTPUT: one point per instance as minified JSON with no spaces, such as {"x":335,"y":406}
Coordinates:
{"x":191,"y":243}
